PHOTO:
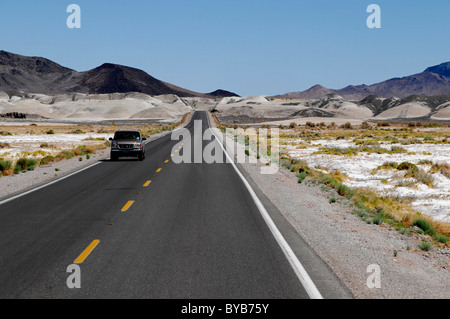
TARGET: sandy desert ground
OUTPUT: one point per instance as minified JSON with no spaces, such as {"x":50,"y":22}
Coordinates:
{"x":331,"y":108}
{"x":252,"y":109}
{"x":86,"y":107}
{"x":373,"y":169}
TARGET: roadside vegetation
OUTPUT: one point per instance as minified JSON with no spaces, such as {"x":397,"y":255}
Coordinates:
{"x":24,"y":164}
{"x":370,"y":206}
{"x":371,"y":138}
{"x":49,"y":153}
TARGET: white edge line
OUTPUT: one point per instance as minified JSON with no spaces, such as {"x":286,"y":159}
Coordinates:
{"x":45,"y":185}
{"x":299,"y":270}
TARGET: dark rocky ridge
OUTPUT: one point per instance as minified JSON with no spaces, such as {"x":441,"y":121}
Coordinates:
{"x":40,"y":75}
{"x":434,"y":81}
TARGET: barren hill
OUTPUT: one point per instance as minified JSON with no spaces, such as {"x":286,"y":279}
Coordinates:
{"x":40,"y":75}
{"x":433,"y":81}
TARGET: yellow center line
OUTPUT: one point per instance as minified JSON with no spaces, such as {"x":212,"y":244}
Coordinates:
{"x":167,"y":161}
{"x":147,"y":183}
{"x":86,"y":252}
{"x":127,"y":205}
{"x":158,"y":170}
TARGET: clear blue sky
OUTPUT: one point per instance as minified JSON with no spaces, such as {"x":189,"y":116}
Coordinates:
{"x":251,"y":47}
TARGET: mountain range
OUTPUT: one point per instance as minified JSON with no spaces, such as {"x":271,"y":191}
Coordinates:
{"x":433,"y":81}
{"x":41,"y":75}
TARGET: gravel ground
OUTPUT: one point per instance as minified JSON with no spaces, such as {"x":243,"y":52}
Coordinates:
{"x":349,"y":245}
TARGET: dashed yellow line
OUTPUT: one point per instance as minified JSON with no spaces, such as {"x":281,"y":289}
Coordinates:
{"x":158,"y":170}
{"x":147,"y":183}
{"x":167,"y":161}
{"x":86,"y":252}
{"x":127,"y":205}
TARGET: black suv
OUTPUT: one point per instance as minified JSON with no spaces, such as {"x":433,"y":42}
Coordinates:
{"x":127,"y":144}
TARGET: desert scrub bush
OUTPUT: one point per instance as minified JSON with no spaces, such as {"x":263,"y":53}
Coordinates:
{"x":47,"y":159}
{"x":347,"y":126}
{"x":387,"y":165}
{"x":425,"y":245}
{"x":25,"y":164}
{"x":296,"y":166}
{"x":39,"y":153}
{"x":440,"y":238}
{"x":301,"y":177}
{"x":378,"y":219}
{"x":425,"y":162}
{"x":338,"y":176}
{"x":299,"y":166}
{"x":50,"y":132}
{"x":424,"y":225}
{"x":397,"y":149}
{"x":407,"y":166}
{"x":46,"y":145}
{"x":328,"y":180}
{"x":348,"y":151}
{"x":5,"y":165}
{"x":383,"y":124}
{"x":420,"y":176}
{"x":406,"y":183}
{"x":334,"y":183}
{"x":64,"y":155}
{"x":344,"y":190}
{"x":443,"y":168}
{"x":366,"y":142}
{"x":95,"y":139}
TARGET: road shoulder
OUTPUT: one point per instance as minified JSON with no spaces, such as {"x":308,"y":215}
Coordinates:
{"x":347,"y":245}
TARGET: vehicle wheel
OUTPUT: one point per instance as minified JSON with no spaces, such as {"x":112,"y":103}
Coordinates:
{"x":114,"y":158}
{"x":141,"y":156}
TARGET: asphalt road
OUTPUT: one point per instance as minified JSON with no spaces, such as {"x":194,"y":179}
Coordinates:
{"x":193,"y":231}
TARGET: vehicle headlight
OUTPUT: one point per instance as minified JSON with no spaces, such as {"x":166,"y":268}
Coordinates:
{"x":114,"y":145}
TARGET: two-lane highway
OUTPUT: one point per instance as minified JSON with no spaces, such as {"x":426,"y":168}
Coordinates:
{"x":151,"y":229}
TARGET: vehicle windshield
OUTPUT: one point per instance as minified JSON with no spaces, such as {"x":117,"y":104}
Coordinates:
{"x":126,"y":136}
